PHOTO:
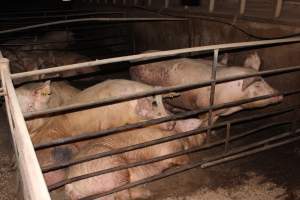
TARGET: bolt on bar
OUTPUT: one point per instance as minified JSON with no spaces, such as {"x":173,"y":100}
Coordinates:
{"x":153,"y":55}
{"x":87,"y":136}
{"x":187,"y":167}
{"x":160,"y":158}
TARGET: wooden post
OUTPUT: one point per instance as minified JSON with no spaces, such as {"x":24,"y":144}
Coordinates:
{"x":242,"y":7}
{"x":278,"y":8}
{"x":32,"y":178}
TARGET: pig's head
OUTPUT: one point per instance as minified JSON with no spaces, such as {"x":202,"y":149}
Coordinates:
{"x":152,"y":108}
{"x":257,"y":86}
{"x":34,"y":97}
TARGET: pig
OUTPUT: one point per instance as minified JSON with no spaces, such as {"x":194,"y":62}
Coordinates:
{"x":188,"y":71}
{"x":94,"y":119}
{"x":103,"y":183}
{"x":113,"y":115}
{"x":39,"y":96}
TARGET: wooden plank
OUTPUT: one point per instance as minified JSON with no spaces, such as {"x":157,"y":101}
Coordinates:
{"x":32,"y":177}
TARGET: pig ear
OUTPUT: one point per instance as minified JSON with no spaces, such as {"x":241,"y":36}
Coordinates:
{"x":224,"y":60}
{"x":253,"y":61}
{"x":44,"y":89}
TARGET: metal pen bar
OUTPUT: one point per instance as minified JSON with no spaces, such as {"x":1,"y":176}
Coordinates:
{"x":89,"y":20}
{"x":160,"y":158}
{"x":87,"y":136}
{"x":158,"y":91}
{"x":228,"y":129}
{"x":212,"y":91}
{"x":58,"y":16}
{"x":257,"y":150}
{"x":66,"y":41}
{"x":153,"y":55}
{"x":157,"y":141}
{"x":185,"y":168}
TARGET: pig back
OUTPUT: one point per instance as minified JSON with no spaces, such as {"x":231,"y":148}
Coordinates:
{"x":172,"y":73}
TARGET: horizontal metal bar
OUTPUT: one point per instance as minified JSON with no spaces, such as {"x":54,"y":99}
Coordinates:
{"x":47,"y":11}
{"x":87,"y":136}
{"x":39,"y":17}
{"x":180,"y":88}
{"x":89,"y":20}
{"x":182,"y":169}
{"x":163,"y":140}
{"x":239,"y":152}
{"x":153,"y":55}
{"x":66,"y":41}
{"x":160,"y":158}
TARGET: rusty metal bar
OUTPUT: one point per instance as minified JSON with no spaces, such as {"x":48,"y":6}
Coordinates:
{"x":160,"y":158}
{"x":87,"y":136}
{"x":212,"y":91}
{"x":158,"y":91}
{"x":187,"y":167}
{"x":228,"y":129}
{"x":89,"y":20}
{"x":153,"y":55}
{"x":161,"y":140}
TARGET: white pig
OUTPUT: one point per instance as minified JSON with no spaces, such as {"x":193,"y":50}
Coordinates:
{"x":103,"y":183}
{"x":188,"y":71}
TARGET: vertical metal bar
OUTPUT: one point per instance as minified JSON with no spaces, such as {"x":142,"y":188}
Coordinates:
{"x":228,"y":129}
{"x":149,"y":2}
{"x":114,"y":2}
{"x":32,"y":177}
{"x":124,"y":2}
{"x":167,"y":3}
{"x":242,"y":7}
{"x":295,"y":120}
{"x":212,"y":91}
{"x":135,"y":2}
{"x":211,"y":5}
{"x":278,"y":8}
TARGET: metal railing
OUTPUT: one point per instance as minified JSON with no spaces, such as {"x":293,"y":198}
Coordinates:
{"x":271,"y":142}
